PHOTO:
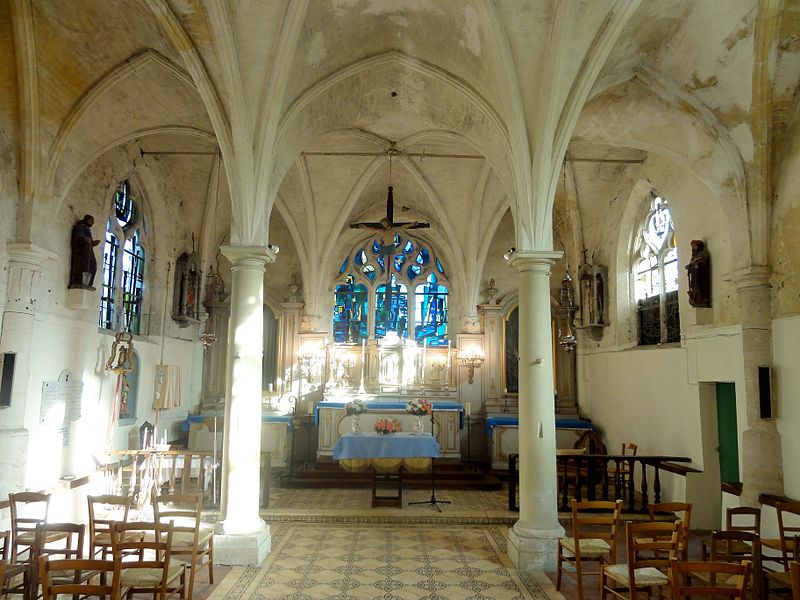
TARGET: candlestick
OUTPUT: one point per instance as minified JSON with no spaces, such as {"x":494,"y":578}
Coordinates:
{"x":468,"y":407}
{"x":310,"y":407}
{"x":291,"y":377}
{"x":363,"y":357}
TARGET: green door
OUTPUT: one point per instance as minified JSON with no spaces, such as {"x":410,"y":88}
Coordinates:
{"x":728,"y":433}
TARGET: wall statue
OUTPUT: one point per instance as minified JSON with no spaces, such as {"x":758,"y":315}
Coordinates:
{"x":699,"y":273}
{"x":83,"y":263}
{"x":186,"y":292}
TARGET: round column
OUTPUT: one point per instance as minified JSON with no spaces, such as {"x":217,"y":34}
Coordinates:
{"x":532,"y":540}
{"x":242,"y":438}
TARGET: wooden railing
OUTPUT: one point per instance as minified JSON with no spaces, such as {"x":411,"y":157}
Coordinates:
{"x":167,"y":471}
{"x":600,"y":477}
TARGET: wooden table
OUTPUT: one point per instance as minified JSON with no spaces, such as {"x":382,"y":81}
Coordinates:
{"x":386,"y":455}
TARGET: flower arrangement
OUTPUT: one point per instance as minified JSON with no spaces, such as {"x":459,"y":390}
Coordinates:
{"x":418,"y":407}
{"x":385,"y":426}
{"x":356,"y":407}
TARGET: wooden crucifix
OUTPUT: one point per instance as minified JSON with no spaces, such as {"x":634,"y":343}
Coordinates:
{"x":389,"y":229}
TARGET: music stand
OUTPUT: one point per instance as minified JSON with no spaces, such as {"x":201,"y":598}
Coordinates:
{"x":433,"y":502}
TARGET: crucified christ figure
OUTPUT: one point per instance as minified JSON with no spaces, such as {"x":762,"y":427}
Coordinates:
{"x":389,"y":228}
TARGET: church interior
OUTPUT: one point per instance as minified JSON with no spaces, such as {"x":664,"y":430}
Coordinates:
{"x":557,"y":241}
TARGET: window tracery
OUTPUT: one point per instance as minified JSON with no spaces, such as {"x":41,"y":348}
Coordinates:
{"x":123,"y":265}
{"x":655,"y":276}
{"x":363,"y":302}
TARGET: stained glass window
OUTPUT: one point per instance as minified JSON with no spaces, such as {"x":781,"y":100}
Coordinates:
{"x":655,"y":276}
{"x":123,"y":265}
{"x":431,"y":312}
{"x":350,"y":312}
{"x":361,"y":290}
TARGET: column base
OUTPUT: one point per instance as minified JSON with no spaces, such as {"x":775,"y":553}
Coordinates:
{"x":245,"y":549}
{"x":534,"y":549}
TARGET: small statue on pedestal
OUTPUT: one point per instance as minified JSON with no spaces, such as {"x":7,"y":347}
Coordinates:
{"x":83,"y":263}
{"x":699,"y":272}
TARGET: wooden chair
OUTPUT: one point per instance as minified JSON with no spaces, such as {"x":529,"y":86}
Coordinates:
{"x":733,"y":522}
{"x":786,"y":532}
{"x":68,"y":576}
{"x":628,"y":449}
{"x":594,"y":539}
{"x":685,"y":516}
{"x":153,"y":571}
{"x":27,"y":510}
{"x":709,"y":574}
{"x":190,"y":539}
{"x":115,"y":509}
{"x":795,"y":572}
{"x":12,"y":571}
{"x":645,"y":569}
{"x":782,"y":580}
{"x":57,"y":541}
{"x":734,"y":547}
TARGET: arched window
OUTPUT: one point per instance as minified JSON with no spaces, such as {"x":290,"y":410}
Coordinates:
{"x":655,"y":276}
{"x":123,"y":265}
{"x":361,"y":292}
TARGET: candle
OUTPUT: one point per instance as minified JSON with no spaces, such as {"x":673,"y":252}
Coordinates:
{"x":310,"y":407}
{"x":447,"y":367}
{"x":363,"y":357}
{"x":269,"y":387}
{"x":291,"y":377}
{"x":468,"y":407}
{"x":424,"y":354}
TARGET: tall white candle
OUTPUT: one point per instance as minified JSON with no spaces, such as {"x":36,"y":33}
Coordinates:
{"x":424,"y":354}
{"x":447,"y":367}
{"x":468,"y":407}
{"x":363,"y":358}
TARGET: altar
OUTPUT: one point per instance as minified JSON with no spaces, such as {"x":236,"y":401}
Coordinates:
{"x":332,"y":422}
{"x":503,"y":434}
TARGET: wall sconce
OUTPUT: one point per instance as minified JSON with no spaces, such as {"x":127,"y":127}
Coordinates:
{"x":472,"y":359}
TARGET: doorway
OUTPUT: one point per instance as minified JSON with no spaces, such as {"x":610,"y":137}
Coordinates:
{"x":727,"y":433}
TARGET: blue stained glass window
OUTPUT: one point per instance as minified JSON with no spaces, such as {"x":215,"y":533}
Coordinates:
{"x":440,"y":267}
{"x":381,"y":263}
{"x":376,"y":247}
{"x":409,"y":247}
{"x":344,"y":266}
{"x":398,"y":262}
{"x":124,"y":206}
{"x":431,"y":312}
{"x":360,"y":257}
{"x":391,"y":309}
{"x":423,"y":256}
{"x":350,"y":311}
{"x":369,"y":271}
{"x":413,"y":271}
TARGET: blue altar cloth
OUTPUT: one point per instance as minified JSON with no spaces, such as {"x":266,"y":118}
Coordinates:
{"x":392,"y":445}
{"x":492,"y":422}
{"x":264,"y":419}
{"x":391,"y":406}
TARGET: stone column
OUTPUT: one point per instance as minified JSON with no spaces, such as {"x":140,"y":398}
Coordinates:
{"x":245,"y":538}
{"x":532,"y":540}
{"x":761,"y":470}
{"x":25,"y":261}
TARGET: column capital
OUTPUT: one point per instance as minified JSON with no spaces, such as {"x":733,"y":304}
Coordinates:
{"x":750,"y":277}
{"x":29,"y":255}
{"x":249,"y":257}
{"x":534,"y":260}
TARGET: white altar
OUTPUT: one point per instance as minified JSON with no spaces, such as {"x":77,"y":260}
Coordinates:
{"x":332,"y":422}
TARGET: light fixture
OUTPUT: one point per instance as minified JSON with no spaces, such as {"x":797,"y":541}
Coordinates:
{"x":471,"y":358}
{"x":274,"y":248}
{"x":509,"y":253}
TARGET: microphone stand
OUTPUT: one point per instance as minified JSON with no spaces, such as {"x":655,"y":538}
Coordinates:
{"x":433,"y":502}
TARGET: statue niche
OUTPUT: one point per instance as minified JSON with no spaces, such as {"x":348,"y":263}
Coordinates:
{"x":593,"y":286}
{"x":186,"y":293}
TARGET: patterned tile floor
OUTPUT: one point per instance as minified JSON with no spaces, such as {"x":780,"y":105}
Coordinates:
{"x":400,"y":562}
